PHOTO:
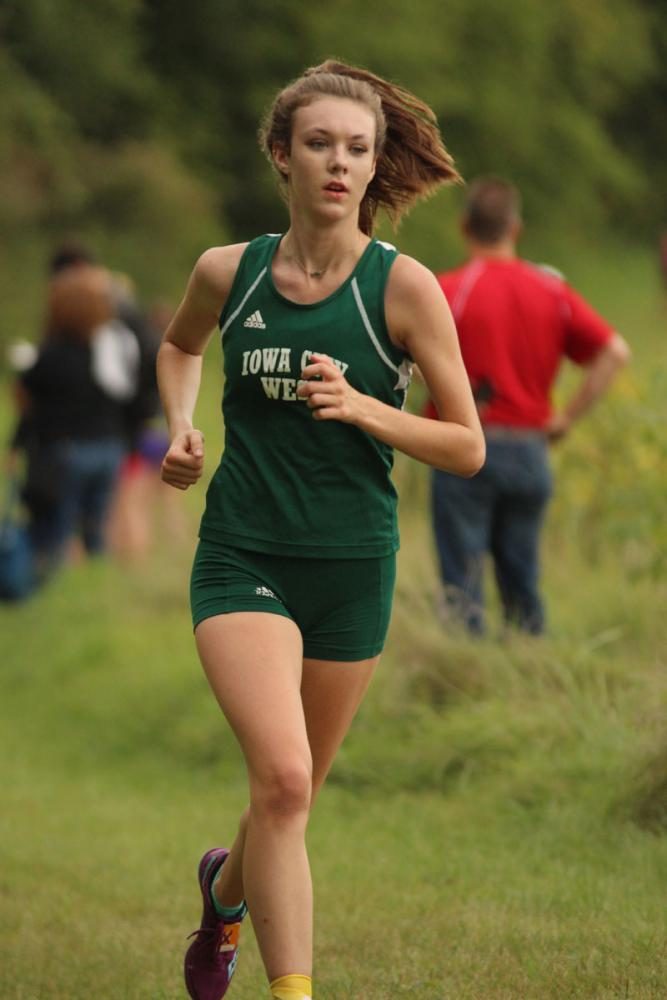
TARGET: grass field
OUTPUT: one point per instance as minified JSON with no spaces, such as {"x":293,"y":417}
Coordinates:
{"x":494,"y":828}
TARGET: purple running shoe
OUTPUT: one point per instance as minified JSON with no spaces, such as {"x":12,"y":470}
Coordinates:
{"x":211,"y":958}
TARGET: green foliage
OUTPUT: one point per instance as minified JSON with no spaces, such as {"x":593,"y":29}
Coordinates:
{"x":637,"y":124}
{"x":88,"y":59}
{"x":37,"y":150}
{"x":520,"y":89}
{"x":78,"y":157}
{"x":218,"y":69}
{"x":135,"y":121}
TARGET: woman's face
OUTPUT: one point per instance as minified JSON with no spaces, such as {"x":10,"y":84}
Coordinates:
{"x":332,"y":157}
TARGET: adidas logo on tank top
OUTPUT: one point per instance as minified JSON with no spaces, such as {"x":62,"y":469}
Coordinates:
{"x":255,"y":321}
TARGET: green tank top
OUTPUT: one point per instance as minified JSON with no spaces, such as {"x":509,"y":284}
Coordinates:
{"x":288,"y":484}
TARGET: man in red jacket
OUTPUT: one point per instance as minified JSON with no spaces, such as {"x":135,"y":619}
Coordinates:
{"x":516,"y":322}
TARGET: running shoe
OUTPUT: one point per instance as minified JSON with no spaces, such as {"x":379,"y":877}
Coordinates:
{"x":211,"y":958}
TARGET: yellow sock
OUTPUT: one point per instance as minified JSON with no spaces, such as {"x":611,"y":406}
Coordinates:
{"x":292,"y":988}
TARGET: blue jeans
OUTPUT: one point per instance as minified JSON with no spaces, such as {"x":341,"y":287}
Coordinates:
{"x":86,"y":473}
{"x":499,"y":511}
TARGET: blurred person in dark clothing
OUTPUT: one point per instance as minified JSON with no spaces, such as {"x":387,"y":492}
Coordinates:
{"x":73,"y":429}
{"x":121,"y":353}
{"x":143,"y":403}
{"x":516,"y":322}
{"x":127,"y":367}
{"x":144,"y":506}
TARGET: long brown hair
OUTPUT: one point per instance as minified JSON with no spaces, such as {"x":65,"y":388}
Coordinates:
{"x":412,"y":161}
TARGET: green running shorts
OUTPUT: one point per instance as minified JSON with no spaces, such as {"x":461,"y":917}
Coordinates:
{"x":341,"y":606}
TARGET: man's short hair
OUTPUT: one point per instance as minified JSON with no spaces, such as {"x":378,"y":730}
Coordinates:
{"x":492,"y":206}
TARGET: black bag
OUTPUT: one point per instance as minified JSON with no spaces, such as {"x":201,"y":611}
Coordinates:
{"x":17,"y":573}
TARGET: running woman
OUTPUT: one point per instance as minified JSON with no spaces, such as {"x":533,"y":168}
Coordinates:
{"x":293,"y":576}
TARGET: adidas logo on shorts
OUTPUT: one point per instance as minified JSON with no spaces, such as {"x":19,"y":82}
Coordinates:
{"x":264,"y":592}
{"x":255,"y":321}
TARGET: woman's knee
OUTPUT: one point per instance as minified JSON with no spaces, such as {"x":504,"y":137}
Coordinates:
{"x":282,"y":789}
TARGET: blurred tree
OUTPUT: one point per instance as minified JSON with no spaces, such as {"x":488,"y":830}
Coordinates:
{"x":88,"y":58}
{"x":638,"y":122}
{"x":126,"y":116}
{"x":218,"y":67}
{"x":37,"y":149}
{"x":521,"y":89}
{"x":78,"y":157}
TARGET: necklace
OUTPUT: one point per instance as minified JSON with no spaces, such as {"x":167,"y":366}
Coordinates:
{"x":321,"y":271}
{"x":311,"y":274}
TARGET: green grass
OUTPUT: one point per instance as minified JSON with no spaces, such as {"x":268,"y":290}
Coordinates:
{"x":478,"y":838}
{"x":494,"y":827}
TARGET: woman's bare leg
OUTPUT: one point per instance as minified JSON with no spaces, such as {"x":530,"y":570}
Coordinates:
{"x":324,"y":683}
{"x":253,"y":662}
{"x":254,"y":667}
{"x":331,"y":693}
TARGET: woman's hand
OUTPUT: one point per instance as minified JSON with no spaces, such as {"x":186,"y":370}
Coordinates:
{"x":183,"y":464}
{"x":327,"y":392}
